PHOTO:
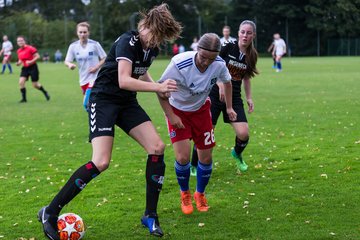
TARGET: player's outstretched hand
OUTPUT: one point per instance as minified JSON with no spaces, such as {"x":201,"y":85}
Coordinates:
{"x":232,"y":114}
{"x":168,"y":85}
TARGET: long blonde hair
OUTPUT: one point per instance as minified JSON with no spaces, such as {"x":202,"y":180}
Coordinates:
{"x":161,"y":23}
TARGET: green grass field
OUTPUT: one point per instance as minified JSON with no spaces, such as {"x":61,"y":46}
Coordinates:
{"x":303,"y":156}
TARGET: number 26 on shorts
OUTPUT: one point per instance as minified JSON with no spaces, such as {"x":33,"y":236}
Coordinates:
{"x":209,"y":137}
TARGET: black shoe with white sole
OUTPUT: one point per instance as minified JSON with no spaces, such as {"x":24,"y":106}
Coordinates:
{"x":49,"y":223}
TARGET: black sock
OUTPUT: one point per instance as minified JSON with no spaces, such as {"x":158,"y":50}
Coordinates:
{"x":73,"y":187}
{"x":240,"y":145}
{"x":23,"y":93}
{"x":42,"y":89}
{"x":194,"y":157}
{"x":155,"y":171}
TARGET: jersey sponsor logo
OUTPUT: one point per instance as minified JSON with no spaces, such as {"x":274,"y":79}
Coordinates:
{"x":237,"y":64}
{"x":206,"y":91}
{"x":140,"y":70}
{"x":236,"y":69}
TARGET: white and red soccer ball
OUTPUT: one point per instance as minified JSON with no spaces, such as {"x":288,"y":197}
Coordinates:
{"x":70,"y":226}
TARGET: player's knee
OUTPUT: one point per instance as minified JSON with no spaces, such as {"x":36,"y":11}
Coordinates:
{"x":243,"y":133}
{"x":102,"y":163}
{"x":206,"y":160}
{"x":182,"y":158}
{"x":244,"y":136}
{"x":158,"y":147}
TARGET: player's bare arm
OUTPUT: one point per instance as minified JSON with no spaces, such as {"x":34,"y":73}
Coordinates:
{"x":36,"y":57}
{"x":247,"y":88}
{"x":173,"y":118}
{"x":70,"y":65}
{"x":97,"y":67}
{"x":129,"y":83}
{"x":221,"y":91}
{"x":228,"y":100}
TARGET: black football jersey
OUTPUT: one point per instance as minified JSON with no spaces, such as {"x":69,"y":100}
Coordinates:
{"x":235,"y":60}
{"x":126,"y":47}
{"x":236,"y":64}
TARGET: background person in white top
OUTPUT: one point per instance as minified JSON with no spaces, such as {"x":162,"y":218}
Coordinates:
{"x":194,"y":44}
{"x":6,"y":49}
{"x":226,"y":35}
{"x":279,"y":51}
{"x":188,"y":113}
{"x":89,"y":55}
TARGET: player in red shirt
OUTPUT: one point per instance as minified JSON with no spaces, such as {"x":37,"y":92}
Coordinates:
{"x":27,"y":57}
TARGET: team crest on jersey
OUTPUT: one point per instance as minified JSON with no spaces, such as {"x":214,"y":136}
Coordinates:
{"x":91,"y":53}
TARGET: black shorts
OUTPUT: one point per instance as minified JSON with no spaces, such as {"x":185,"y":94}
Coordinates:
{"x":106,"y":111}
{"x":31,"y":71}
{"x":218,"y":107}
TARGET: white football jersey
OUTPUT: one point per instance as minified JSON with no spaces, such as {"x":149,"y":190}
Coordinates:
{"x":193,"y":85}
{"x":7,"y":47}
{"x":86,"y":57}
{"x":280,"y":47}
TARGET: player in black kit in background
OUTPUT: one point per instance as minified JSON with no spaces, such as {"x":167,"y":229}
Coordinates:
{"x":241,"y":58}
{"x":113,"y":102}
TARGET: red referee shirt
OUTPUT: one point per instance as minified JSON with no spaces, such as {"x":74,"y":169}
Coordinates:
{"x":26,"y":53}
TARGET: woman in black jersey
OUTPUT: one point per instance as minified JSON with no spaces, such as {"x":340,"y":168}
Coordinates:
{"x":113,"y":102}
{"x":241,"y":58}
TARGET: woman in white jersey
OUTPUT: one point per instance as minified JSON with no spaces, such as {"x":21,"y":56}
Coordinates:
{"x":6,"y":49}
{"x":89,"y":55}
{"x":188,"y":113}
{"x":279,"y":51}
